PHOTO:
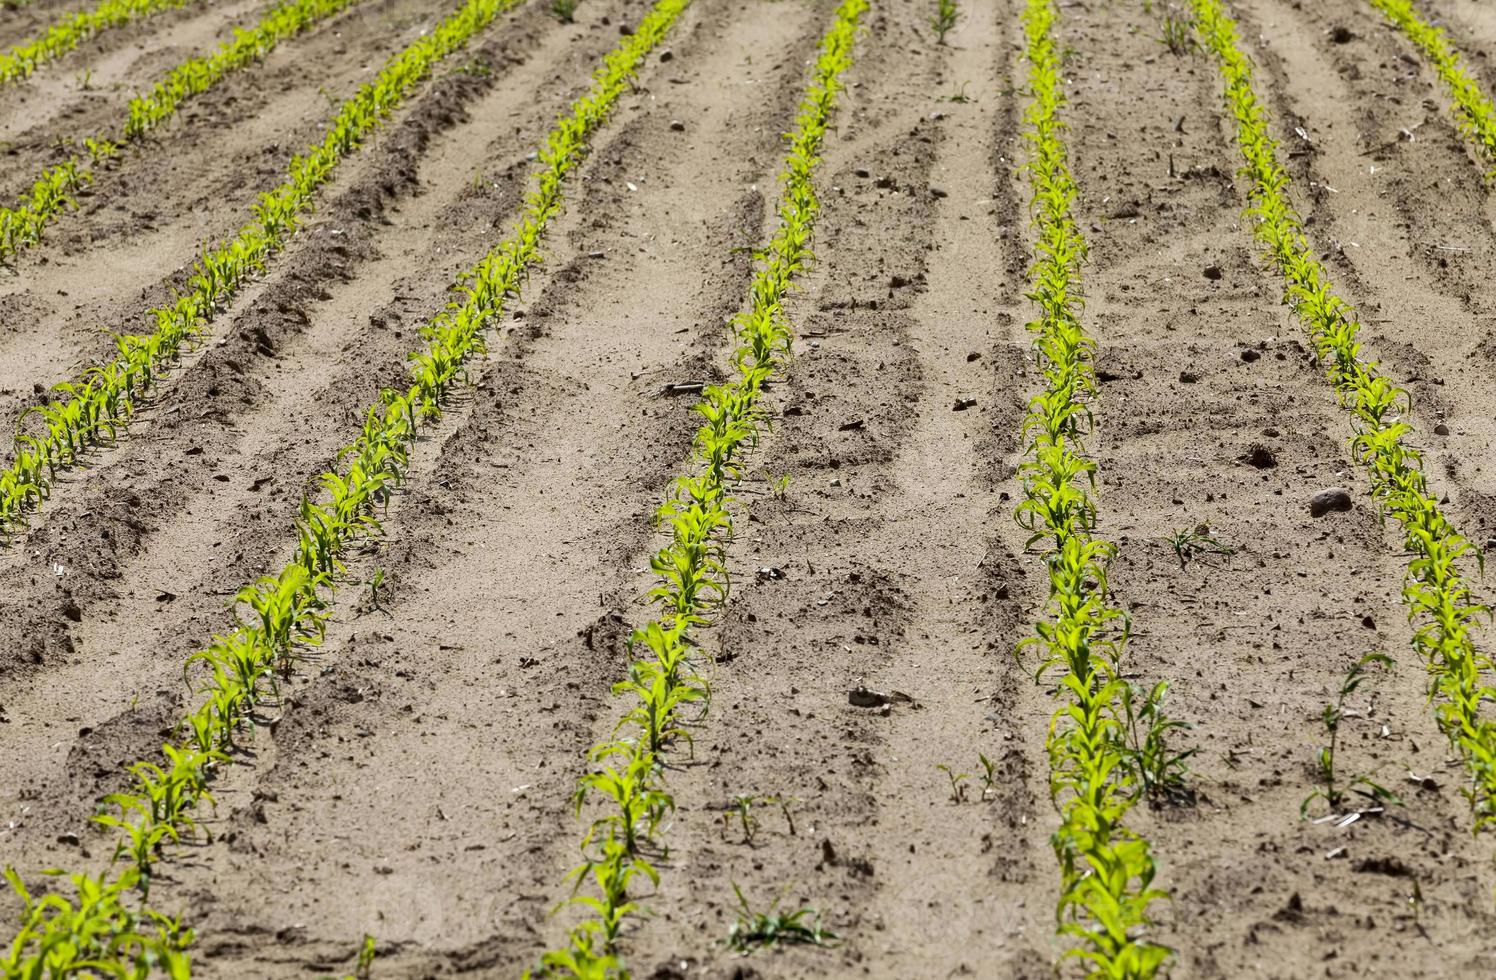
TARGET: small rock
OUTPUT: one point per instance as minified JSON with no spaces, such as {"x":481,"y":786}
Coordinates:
{"x":1328,"y":499}
{"x":887,"y":183}
{"x":1441,"y":429}
{"x":1188,"y":377}
{"x":962,"y":404}
{"x":666,"y":55}
{"x":973,"y":356}
{"x":861,"y":172}
{"x":1249,"y":355}
{"x":938,"y":192}
{"x":68,"y":838}
{"x":676,"y":126}
{"x":1341,"y":35}
{"x":862,"y":697}
{"x":770,"y":573}
{"x":1213,"y":272}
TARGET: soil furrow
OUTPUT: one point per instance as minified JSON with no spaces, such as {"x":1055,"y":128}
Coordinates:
{"x":184,"y":187}
{"x":1410,"y":267}
{"x":1212,"y":413}
{"x":858,"y":575}
{"x":722,"y":103}
{"x":150,"y":550}
{"x":34,"y":20}
{"x":63,"y":93}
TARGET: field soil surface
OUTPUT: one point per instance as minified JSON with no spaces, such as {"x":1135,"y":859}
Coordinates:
{"x":414,"y":782}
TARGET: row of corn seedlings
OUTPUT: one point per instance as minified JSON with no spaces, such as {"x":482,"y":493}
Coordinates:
{"x":21,"y":226}
{"x":1439,"y":600}
{"x":97,"y":406}
{"x":65,"y":35}
{"x":1474,"y":113}
{"x":1106,"y":871}
{"x":102,"y":929}
{"x":692,"y":580}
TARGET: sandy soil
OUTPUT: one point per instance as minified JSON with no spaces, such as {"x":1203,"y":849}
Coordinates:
{"x":416,"y":784}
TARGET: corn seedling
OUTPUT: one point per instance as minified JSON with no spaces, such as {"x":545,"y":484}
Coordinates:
{"x":944,"y":20}
{"x":1474,"y":113}
{"x":1440,"y":603}
{"x":1106,"y":871}
{"x":691,"y":572}
{"x":989,"y":781}
{"x":289,"y":610}
{"x":97,"y":933}
{"x":69,"y":32}
{"x":374,"y":584}
{"x":742,"y":808}
{"x":758,"y":930}
{"x":1189,"y":543}
{"x":957,"y":781}
{"x":1177,"y":31}
{"x":51,"y":193}
{"x":1157,"y":769}
{"x":365,"y":967}
{"x":93,"y":410}
{"x":1331,"y":790}
{"x":959,"y":96}
{"x":564,"y":10}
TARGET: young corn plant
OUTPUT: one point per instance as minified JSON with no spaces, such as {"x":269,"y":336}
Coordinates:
{"x":1106,"y":871}
{"x":1331,"y":789}
{"x":72,"y":30}
{"x":290,"y":609}
{"x":944,"y":21}
{"x":758,"y":930}
{"x":1191,"y":543}
{"x":1156,"y":767}
{"x":1474,"y":113}
{"x":52,"y":192}
{"x":92,"y":411}
{"x":1437,"y":595}
{"x":690,"y":569}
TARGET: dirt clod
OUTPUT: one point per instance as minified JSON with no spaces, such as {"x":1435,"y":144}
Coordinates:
{"x":1329,"y":499}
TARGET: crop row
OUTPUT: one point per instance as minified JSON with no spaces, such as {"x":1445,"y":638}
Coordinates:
{"x":1106,"y":871}
{"x":1438,"y":598}
{"x":691,"y":570}
{"x":97,"y":406}
{"x":101,"y":929}
{"x":1474,"y":113}
{"x":54,"y":190}
{"x":62,"y":37}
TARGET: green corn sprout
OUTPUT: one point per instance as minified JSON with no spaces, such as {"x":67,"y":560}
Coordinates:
{"x":91,"y":412}
{"x":756,"y":930}
{"x":21,"y":226}
{"x":1438,"y":598}
{"x":1332,"y":791}
{"x":290,"y":610}
{"x":72,"y":30}
{"x":944,"y":20}
{"x":691,"y":570}
{"x":1474,"y":113}
{"x":1106,"y":871}
{"x":958,"y":782}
